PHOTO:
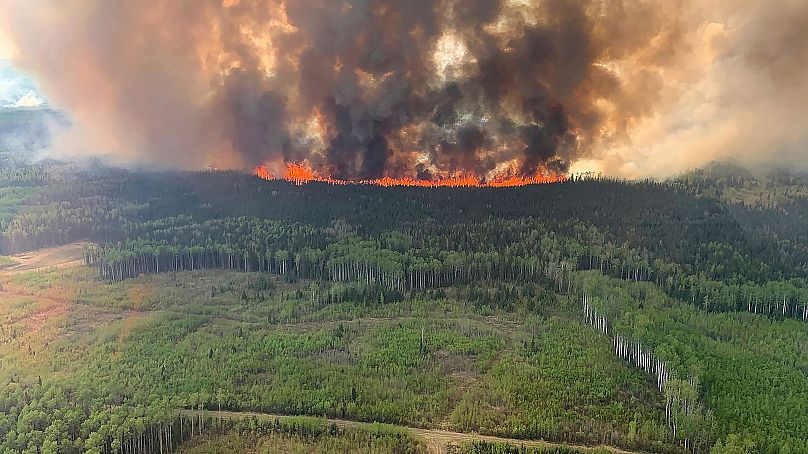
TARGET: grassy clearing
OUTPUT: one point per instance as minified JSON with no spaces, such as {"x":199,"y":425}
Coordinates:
{"x":246,"y":341}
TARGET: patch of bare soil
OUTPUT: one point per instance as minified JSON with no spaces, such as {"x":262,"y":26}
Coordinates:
{"x":61,"y":256}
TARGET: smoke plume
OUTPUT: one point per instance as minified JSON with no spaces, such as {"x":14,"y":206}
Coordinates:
{"x":361,"y":89}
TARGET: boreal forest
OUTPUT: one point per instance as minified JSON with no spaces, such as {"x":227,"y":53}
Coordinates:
{"x":214,"y":311}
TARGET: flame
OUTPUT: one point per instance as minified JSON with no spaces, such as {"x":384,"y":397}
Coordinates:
{"x":263,"y":172}
{"x":301,"y":173}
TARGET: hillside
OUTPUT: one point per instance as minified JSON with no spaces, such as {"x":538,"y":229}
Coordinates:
{"x":642,"y":316}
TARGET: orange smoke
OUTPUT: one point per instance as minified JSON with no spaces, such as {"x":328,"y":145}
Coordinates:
{"x":299,"y":174}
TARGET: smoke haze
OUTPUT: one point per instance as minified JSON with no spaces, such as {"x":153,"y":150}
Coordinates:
{"x":423,"y":89}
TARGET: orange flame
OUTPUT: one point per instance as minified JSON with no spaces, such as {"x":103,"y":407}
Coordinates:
{"x":299,"y":174}
{"x":262,"y":172}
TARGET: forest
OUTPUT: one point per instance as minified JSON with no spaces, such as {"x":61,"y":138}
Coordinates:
{"x":592,"y":314}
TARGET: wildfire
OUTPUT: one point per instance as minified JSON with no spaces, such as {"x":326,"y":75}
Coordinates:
{"x":262,"y":172}
{"x":300,"y":174}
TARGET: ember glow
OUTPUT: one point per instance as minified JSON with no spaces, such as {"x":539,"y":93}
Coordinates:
{"x":300,"y":174}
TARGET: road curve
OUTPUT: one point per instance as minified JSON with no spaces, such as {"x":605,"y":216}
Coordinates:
{"x":437,"y":441}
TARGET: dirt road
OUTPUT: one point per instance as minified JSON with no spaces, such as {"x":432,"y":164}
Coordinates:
{"x":437,"y":441}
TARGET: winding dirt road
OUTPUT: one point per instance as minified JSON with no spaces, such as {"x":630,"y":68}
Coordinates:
{"x":437,"y":441}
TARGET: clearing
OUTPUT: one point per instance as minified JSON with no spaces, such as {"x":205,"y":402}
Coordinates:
{"x":53,"y":306}
{"x":62,"y":256}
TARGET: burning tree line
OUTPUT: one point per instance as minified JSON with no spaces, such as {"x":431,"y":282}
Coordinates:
{"x":630,"y":230}
{"x":299,"y":174}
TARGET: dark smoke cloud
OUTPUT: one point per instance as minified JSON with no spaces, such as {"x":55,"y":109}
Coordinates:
{"x":367,"y":88}
{"x":463,"y":154}
{"x":257,"y":119}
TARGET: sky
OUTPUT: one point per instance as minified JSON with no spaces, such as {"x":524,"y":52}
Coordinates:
{"x":17,"y":89}
{"x":425,"y":88}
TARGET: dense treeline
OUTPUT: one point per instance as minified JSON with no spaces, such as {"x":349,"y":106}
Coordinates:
{"x":50,"y":419}
{"x":686,"y":416}
{"x":297,"y":434}
{"x":43,"y":418}
{"x":520,"y":250}
{"x":304,"y":252}
{"x":691,"y":246}
{"x":747,"y":371}
{"x":701,"y":240}
{"x":656,"y":219}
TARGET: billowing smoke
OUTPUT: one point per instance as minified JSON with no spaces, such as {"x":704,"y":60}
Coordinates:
{"x":422,"y":88}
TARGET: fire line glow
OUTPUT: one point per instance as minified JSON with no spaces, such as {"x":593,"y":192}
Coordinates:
{"x":300,"y":174}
